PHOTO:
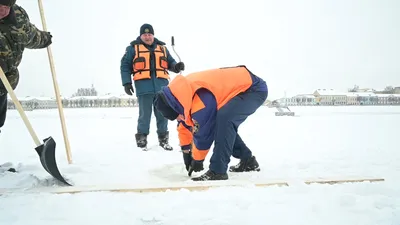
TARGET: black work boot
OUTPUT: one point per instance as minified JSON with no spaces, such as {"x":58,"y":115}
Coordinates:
{"x":210,"y":175}
{"x":246,"y":165}
{"x":163,"y":140}
{"x":141,"y":140}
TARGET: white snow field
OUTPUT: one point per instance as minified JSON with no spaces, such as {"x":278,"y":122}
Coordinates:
{"x":319,"y":142}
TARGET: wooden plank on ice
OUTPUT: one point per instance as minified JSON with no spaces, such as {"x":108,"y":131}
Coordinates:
{"x":341,"y":181}
{"x":191,"y":186}
{"x":198,"y":187}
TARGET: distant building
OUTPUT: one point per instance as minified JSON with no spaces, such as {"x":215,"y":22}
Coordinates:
{"x":31,"y":103}
{"x":88,"y":98}
{"x":100,"y":101}
{"x":86,"y":92}
{"x":304,"y":99}
{"x":389,"y":90}
{"x":362,"y":98}
{"x":330,"y":97}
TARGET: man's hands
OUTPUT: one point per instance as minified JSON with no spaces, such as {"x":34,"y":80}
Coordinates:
{"x":180,"y":66}
{"x":187,"y":158}
{"x":195,"y":166}
{"x":49,"y":39}
{"x":129,"y":89}
{"x":191,"y":164}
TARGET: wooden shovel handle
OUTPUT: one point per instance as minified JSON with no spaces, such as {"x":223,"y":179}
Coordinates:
{"x":19,"y":107}
{"x":56,"y":89}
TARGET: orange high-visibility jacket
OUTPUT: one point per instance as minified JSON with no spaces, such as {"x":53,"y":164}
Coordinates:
{"x":223,"y":83}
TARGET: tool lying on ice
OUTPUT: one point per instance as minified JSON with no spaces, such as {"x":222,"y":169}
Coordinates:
{"x":46,"y":151}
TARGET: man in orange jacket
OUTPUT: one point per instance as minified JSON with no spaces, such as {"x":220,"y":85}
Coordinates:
{"x":209,"y":106}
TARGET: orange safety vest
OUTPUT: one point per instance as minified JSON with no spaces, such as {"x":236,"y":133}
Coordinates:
{"x":141,"y":62}
{"x":224,"y":83}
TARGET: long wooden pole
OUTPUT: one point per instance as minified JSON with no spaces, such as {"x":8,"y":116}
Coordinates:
{"x":19,"y":107}
{"x":56,"y":89}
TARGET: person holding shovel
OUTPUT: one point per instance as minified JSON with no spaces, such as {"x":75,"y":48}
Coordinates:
{"x":16,"y":34}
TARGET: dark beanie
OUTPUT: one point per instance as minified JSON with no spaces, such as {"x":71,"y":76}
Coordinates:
{"x":146,"y":28}
{"x":160,"y":103}
{"x":7,"y":2}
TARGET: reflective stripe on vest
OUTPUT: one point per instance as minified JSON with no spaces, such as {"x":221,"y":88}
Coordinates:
{"x":141,"y":62}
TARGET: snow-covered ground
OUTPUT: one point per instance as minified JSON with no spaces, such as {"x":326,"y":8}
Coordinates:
{"x":318,"y":142}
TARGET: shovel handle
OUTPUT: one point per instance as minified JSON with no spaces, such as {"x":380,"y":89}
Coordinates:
{"x":19,"y":107}
{"x":56,"y":89}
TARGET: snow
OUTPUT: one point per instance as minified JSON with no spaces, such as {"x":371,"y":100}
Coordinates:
{"x":319,"y":142}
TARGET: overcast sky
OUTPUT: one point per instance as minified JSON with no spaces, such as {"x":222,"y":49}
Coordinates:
{"x":296,"y":46}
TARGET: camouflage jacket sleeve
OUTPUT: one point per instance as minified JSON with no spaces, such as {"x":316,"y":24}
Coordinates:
{"x":36,"y":38}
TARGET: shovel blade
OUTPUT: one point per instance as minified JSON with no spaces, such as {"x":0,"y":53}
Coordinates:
{"x":47,"y":152}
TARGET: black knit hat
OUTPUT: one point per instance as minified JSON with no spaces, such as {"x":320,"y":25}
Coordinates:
{"x":146,"y":28}
{"x":7,"y":2}
{"x":160,"y":103}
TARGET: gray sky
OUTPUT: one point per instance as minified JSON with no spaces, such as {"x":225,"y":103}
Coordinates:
{"x":296,"y":46}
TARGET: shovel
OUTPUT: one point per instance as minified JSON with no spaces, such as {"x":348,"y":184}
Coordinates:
{"x":46,"y":151}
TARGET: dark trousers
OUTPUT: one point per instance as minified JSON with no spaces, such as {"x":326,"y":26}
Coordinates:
{"x":3,"y":109}
{"x":145,"y":110}
{"x":227,"y":141}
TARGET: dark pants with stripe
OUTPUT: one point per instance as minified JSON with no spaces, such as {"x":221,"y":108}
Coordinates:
{"x":145,"y":111}
{"x":3,"y":109}
{"x":227,"y":141}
